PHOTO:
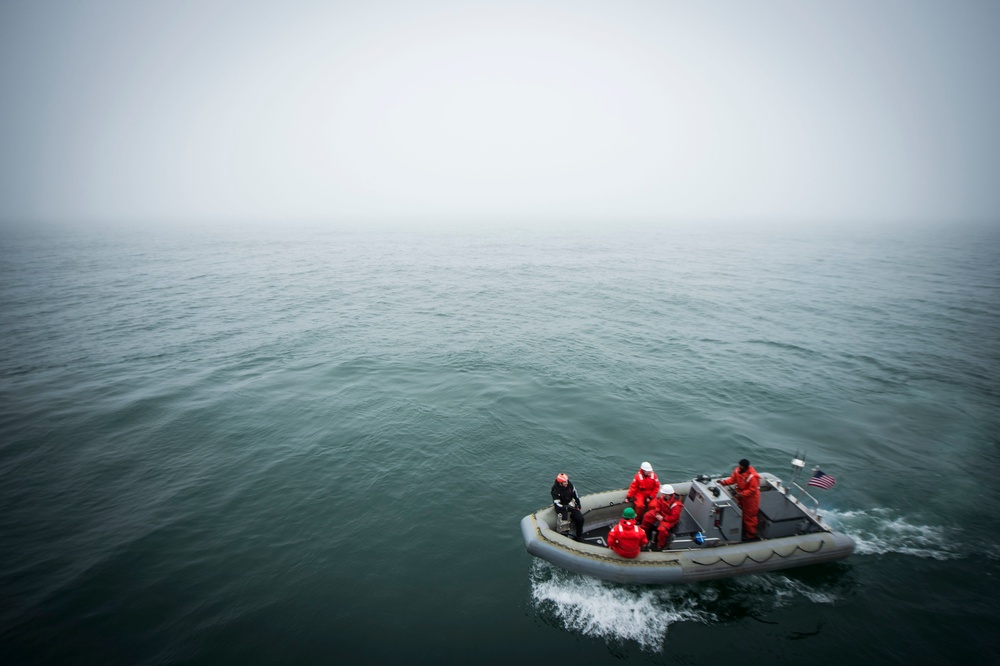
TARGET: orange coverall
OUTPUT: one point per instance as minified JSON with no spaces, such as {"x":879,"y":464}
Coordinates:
{"x":643,"y":490}
{"x":670,"y":512}
{"x":626,"y":538}
{"x":748,"y":495}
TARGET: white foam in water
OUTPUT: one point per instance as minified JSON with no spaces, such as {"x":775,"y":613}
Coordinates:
{"x":594,"y":608}
{"x":880,"y":531}
{"x":644,"y":614}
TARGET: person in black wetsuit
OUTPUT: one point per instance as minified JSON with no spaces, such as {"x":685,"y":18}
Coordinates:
{"x":563,"y":499}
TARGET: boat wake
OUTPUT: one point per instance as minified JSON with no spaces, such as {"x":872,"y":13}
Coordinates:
{"x":883,"y":531}
{"x":616,"y":613}
{"x":643,"y":615}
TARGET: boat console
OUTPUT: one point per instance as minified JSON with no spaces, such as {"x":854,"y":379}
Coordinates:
{"x":712,"y":511}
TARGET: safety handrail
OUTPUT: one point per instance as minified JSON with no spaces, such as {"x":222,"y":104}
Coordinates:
{"x":806,"y":493}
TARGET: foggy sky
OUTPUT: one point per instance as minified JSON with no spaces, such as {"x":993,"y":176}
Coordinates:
{"x":858,"y":109}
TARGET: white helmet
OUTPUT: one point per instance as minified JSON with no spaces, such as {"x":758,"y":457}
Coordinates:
{"x":646,"y":467}
{"x":666,"y":489}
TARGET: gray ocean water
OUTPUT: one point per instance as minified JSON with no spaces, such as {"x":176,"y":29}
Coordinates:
{"x":308,"y":446}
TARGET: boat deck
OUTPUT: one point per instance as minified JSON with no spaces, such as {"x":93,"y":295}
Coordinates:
{"x":717,"y":517}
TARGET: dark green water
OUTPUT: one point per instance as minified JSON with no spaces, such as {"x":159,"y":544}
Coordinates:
{"x":309,"y":447}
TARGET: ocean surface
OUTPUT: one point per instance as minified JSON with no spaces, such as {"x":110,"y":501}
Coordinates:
{"x":293,"y":445}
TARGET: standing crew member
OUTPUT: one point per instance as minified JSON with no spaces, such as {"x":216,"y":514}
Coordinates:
{"x":563,"y":497}
{"x":663,"y":515}
{"x":644,"y":488}
{"x":747,"y":482}
{"x":626,"y":538}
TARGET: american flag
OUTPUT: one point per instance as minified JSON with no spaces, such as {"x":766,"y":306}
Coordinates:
{"x":821,"y":480}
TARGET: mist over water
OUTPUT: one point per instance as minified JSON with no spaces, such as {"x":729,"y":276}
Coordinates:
{"x":298,"y":445}
{"x":552,"y":110}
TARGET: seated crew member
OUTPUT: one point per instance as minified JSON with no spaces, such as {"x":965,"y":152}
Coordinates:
{"x":747,"y":482}
{"x":563,"y":497}
{"x":643,"y":489}
{"x":626,"y":538}
{"x":663,"y":514}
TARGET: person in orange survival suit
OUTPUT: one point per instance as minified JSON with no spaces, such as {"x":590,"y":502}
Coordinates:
{"x":747,"y":482}
{"x":644,"y":488}
{"x":662,"y":515}
{"x":626,"y":538}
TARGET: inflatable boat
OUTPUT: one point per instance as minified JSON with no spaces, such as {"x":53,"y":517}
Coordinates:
{"x":706,"y":542}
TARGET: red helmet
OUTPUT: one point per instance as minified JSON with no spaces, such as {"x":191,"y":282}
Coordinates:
{"x":562,"y":478}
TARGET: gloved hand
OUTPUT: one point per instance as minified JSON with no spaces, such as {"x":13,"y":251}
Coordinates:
{"x":629,"y":499}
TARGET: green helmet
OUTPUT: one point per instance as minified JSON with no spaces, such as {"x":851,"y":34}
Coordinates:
{"x":628,"y":514}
